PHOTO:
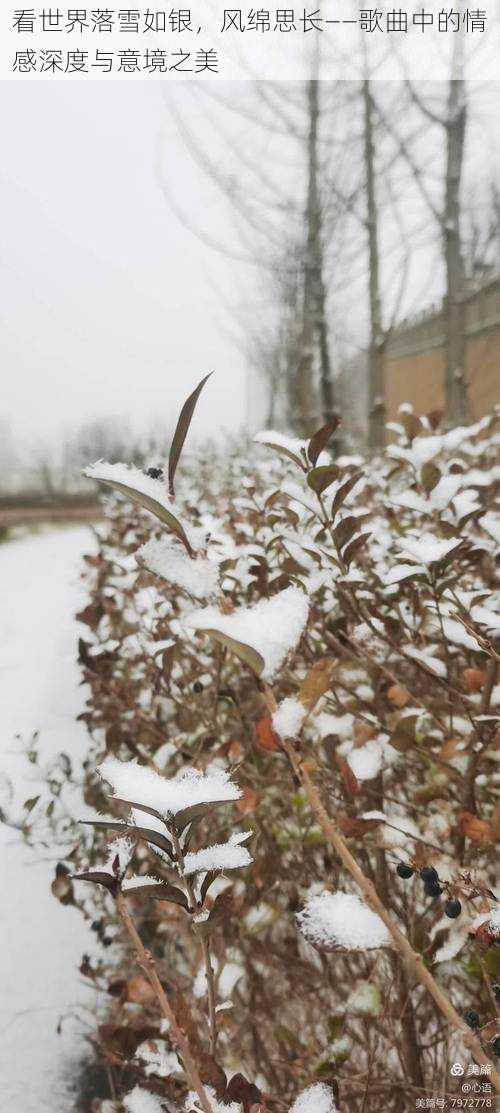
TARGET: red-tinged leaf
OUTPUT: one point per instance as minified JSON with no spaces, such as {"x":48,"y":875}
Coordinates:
{"x":239,"y":1089}
{"x":181,"y":431}
{"x":98,"y":877}
{"x":144,"y":833}
{"x":206,"y":883}
{"x":248,"y":802}
{"x":344,"y":491}
{"x":354,"y":546}
{"x":265,"y":737}
{"x":349,"y":779}
{"x":345,"y":530}
{"x":479,"y":831}
{"x":320,"y":439}
{"x":91,"y":615}
{"x":196,"y":811}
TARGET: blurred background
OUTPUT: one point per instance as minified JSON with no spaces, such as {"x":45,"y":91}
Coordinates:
{"x":323,"y":246}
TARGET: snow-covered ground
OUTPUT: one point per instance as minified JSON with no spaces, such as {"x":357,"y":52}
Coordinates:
{"x":41,"y":941}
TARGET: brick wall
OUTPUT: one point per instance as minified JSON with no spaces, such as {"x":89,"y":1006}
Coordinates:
{"x":414,"y":357}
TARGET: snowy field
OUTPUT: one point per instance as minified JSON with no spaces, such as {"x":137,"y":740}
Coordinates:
{"x":42,"y":941}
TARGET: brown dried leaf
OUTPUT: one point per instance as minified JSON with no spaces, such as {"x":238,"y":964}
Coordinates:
{"x":398,"y":695}
{"x":317,"y":682}
{"x":265,"y":737}
{"x":479,"y":831}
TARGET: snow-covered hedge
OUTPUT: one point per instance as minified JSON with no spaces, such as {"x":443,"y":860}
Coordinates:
{"x":288,"y":619}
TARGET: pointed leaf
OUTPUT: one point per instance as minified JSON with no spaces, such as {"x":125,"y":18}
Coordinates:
{"x":245,"y":652}
{"x":149,"y":503}
{"x":144,"y":833}
{"x":320,"y":439}
{"x":282,"y":450}
{"x":345,"y":530}
{"x":181,"y":431}
{"x":206,"y":883}
{"x":98,"y":877}
{"x":344,"y":491}
{"x":319,"y":479}
{"x":158,"y":892}
{"x":353,"y":547}
{"x":196,"y":811}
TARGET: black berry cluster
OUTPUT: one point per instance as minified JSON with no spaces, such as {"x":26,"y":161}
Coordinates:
{"x":432,"y":887}
{"x":155,"y":473}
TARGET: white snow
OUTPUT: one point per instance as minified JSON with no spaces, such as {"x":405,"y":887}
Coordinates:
{"x":142,"y":1101}
{"x":40,"y":690}
{"x":137,"y":483}
{"x":456,"y":633}
{"x":318,"y":1098}
{"x":402,"y":572}
{"x":427,"y":659}
{"x":428,"y":549}
{"x":288,"y":717}
{"x":272,"y":626}
{"x":222,"y":856}
{"x":199,"y":577}
{"x":192,"y":1104}
{"x":422,"y":450}
{"x":342,"y":920}
{"x":366,"y":761}
{"x":142,"y":785}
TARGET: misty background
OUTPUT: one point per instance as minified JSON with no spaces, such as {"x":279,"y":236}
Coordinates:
{"x":153,"y":233}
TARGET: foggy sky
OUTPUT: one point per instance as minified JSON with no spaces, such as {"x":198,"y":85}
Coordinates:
{"x":107,"y":303}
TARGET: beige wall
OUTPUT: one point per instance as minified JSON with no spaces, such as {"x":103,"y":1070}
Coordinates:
{"x":414,"y":358}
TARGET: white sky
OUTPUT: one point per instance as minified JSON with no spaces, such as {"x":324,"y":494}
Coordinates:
{"x":107,"y":303}
{"x":110,"y":307}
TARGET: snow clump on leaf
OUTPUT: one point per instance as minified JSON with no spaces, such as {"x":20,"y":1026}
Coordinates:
{"x":341,"y":920}
{"x":198,"y":577}
{"x":142,"y":785}
{"x":271,"y":628}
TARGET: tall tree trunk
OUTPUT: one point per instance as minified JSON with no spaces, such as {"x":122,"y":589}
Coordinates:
{"x":376,"y":385}
{"x":455,"y":381}
{"x":314,"y":336}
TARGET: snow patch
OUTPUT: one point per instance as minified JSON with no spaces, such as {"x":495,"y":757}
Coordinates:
{"x":198,"y":577}
{"x":143,"y":785}
{"x":342,"y":920}
{"x":272,"y":626}
{"x":318,"y":1098}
